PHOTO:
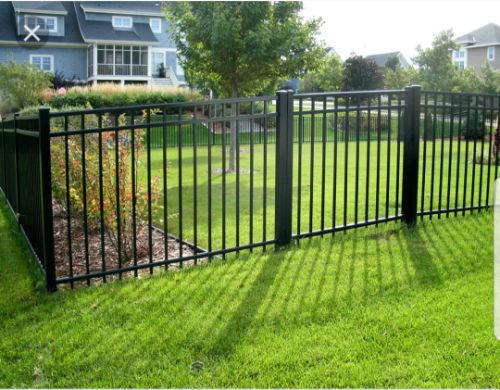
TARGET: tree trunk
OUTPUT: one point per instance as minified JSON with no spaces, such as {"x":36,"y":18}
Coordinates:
{"x":232,"y":146}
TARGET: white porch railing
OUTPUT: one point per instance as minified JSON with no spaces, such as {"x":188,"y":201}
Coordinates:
{"x":122,"y":70}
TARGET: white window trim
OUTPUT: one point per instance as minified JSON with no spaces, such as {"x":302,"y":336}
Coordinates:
{"x":41,"y":59}
{"x":121,"y":17}
{"x":43,"y":17}
{"x":160,"y":25}
{"x":458,"y":59}
{"x":488,"y":53}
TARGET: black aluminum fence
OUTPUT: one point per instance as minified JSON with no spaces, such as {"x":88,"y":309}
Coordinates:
{"x":25,"y":184}
{"x":459,"y":153}
{"x":133,"y":189}
{"x":253,"y":131}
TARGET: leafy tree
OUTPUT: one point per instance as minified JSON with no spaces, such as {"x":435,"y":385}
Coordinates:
{"x":435,"y":68}
{"x":490,"y":79}
{"x":392,"y":62}
{"x":362,"y":74}
{"x":241,"y":48}
{"x":396,"y":78}
{"x":327,"y":77}
{"x":22,"y":84}
{"x":466,"y":80}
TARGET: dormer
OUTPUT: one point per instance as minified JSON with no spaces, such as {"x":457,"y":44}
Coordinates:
{"x":121,"y":22}
{"x":46,"y":17}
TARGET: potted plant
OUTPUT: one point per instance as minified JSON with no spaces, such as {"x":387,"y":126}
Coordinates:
{"x":161,"y":70}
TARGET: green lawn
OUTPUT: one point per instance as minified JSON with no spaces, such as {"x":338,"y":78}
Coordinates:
{"x":364,"y":171}
{"x":376,"y":307}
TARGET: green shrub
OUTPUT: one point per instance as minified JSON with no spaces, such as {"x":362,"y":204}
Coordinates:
{"x":95,"y":98}
{"x":474,"y":127}
{"x":23,"y":84}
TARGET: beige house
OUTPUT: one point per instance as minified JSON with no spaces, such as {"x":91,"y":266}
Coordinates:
{"x":479,"y":46}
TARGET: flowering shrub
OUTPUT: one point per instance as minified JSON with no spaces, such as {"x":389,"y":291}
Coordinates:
{"x":104,"y":162}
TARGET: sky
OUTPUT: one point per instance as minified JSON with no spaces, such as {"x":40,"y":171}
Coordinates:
{"x":369,"y":27}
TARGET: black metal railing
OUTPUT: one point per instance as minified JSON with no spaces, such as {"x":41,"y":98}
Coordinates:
{"x":114,"y":191}
{"x":25,"y":180}
{"x":459,"y":152}
{"x":353,"y":177}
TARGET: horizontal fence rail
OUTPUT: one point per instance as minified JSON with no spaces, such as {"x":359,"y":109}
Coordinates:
{"x":100,"y":194}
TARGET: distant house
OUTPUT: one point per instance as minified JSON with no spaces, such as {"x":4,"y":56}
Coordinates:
{"x":95,"y":41}
{"x":381,"y":58}
{"x":477,"y":47}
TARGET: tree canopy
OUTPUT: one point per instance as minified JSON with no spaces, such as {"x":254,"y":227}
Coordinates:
{"x":392,"y":62}
{"x":327,"y":76}
{"x":362,"y":74}
{"x":435,"y":68}
{"x":243,"y":48}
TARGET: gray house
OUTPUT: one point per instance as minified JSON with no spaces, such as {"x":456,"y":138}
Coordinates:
{"x":381,"y":58}
{"x":95,"y":41}
{"x":479,"y":46}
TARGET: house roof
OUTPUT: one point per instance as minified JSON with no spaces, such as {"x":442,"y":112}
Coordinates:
{"x":45,"y":7}
{"x":8,"y":28}
{"x":381,"y":58}
{"x":103,"y":31}
{"x":488,"y":34}
{"x":125,"y":7}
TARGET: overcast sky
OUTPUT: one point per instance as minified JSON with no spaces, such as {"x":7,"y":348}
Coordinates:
{"x":369,"y":27}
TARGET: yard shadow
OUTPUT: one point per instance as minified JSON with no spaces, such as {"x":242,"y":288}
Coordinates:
{"x":243,"y":317}
{"x":426,"y":271}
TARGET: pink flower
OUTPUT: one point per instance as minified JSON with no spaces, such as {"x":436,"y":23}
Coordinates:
{"x":61,"y":91}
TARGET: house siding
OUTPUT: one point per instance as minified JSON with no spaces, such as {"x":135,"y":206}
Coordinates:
{"x":476,"y":57}
{"x":70,"y":61}
{"x":69,"y":58}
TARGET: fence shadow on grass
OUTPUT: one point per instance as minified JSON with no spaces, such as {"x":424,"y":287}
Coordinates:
{"x":324,"y":279}
{"x":423,"y":262}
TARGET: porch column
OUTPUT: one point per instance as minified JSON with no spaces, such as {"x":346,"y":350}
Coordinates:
{"x":94,"y":68}
{"x":150,"y":60}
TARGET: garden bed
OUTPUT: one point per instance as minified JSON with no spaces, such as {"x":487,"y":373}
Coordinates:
{"x":90,"y":260}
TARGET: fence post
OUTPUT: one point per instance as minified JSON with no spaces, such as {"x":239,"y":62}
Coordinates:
{"x":16,"y":166}
{"x":3,"y":156}
{"x":284,"y":168}
{"x":410,"y":157}
{"x":46,"y":199}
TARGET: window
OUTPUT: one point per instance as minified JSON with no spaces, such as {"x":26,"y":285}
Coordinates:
{"x":461,"y":64}
{"x":155,"y":24}
{"x":458,"y":53}
{"x":122,"y":22}
{"x":491,"y":53}
{"x":46,"y":23}
{"x":43,"y":62}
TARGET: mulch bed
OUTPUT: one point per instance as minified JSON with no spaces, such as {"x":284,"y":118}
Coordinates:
{"x":95,"y":264}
